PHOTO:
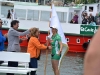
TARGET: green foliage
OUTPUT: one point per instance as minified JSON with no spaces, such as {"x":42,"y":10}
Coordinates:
{"x":68,"y":0}
{"x":82,"y":1}
{"x":91,"y":1}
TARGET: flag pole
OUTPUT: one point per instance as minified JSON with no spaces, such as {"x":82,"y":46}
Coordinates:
{"x":47,"y":45}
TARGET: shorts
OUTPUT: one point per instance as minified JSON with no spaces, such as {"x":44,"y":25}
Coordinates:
{"x":55,"y":57}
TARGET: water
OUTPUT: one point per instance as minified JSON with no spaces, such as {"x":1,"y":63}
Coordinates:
{"x":72,"y":64}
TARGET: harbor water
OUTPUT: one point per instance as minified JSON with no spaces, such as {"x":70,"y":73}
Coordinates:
{"x":72,"y":64}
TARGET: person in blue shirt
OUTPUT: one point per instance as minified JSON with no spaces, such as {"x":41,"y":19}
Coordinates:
{"x":2,"y":39}
{"x":92,"y":23}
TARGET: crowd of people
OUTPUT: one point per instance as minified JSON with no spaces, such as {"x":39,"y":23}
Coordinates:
{"x":54,"y":44}
{"x":91,"y":20}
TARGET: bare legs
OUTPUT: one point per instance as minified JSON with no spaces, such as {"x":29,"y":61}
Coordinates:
{"x":55,"y":66}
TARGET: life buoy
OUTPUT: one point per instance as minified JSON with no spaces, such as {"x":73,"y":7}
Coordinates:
{"x":85,"y":45}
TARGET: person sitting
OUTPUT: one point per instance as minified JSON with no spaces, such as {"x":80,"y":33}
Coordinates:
{"x":91,"y":18}
{"x":75,"y":18}
{"x":72,"y":21}
{"x":85,"y":20}
{"x":96,"y":17}
{"x":92,"y":23}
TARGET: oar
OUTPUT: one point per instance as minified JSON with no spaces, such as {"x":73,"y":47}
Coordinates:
{"x":46,"y":61}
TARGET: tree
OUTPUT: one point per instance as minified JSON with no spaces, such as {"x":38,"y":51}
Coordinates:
{"x":91,"y":1}
{"x":82,"y":1}
{"x":68,"y":0}
{"x":85,"y":1}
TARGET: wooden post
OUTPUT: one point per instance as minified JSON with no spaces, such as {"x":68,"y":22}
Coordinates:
{"x":47,"y":45}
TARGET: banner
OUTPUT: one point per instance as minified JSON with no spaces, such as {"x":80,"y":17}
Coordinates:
{"x":88,"y":30}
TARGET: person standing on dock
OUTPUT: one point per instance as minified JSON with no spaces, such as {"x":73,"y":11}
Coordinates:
{"x":56,"y":44}
{"x":57,"y":41}
{"x":2,"y":39}
{"x":14,"y":40}
{"x":34,"y":48}
{"x":92,"y":57}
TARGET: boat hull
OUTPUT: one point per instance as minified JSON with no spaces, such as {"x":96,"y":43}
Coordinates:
{"x":75,"y":42}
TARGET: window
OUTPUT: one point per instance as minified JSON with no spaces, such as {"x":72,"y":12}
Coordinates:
{"x":19,"y":15}
{"x":78,"y":40}
{"x":90,"y":9}
{"x":33,"y":15}
{"x":44,"y":17}
{"x":67,"y":39}
{"x":62,"y":16}
{"x":85,"y":7}
{"x":89,"y":40}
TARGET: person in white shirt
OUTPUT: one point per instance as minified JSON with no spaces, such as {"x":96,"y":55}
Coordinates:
{"x":13,"y":15}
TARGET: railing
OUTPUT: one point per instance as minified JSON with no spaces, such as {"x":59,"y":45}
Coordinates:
{"x":22,"y":0}
{"x":26,"y":3}
{"x":43,"y":2}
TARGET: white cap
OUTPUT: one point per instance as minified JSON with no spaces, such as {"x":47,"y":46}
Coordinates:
{"x":54,"y":27}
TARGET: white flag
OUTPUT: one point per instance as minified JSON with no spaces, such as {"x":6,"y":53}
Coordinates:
{"x":56,"y":23}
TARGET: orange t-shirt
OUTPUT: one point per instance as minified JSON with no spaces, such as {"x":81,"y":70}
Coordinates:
{"x":34,"y":47}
